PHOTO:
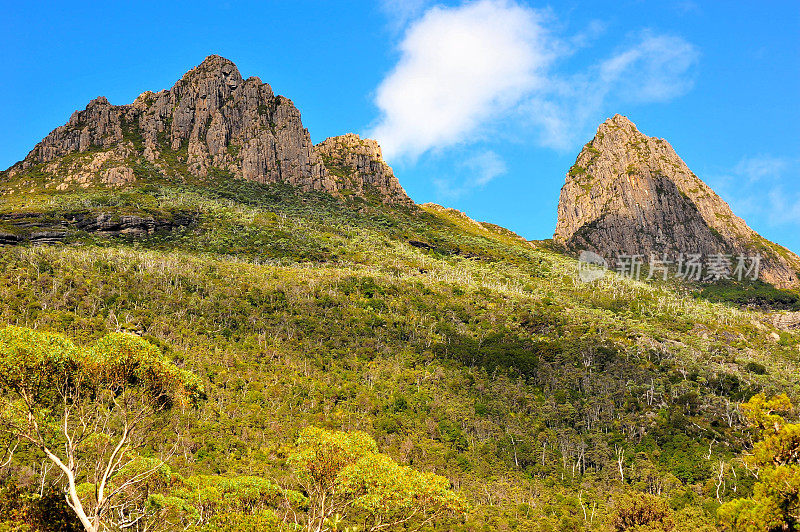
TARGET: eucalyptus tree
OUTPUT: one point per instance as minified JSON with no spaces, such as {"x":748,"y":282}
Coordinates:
{"x":90,"y":411}
{"x":347,"y":480}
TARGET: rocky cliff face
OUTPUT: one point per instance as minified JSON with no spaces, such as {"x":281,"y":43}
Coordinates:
{"x":628,"y":194}
{"x":210,"y":122}
{"x":360,"y":167}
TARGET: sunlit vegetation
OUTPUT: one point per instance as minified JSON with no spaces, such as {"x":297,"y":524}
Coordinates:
{"x":474,"y":369}
{"x":775,"y":458}
{"x":86,"y":413}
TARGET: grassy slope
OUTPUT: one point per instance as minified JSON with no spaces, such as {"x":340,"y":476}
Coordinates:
{"x":483,"y":358}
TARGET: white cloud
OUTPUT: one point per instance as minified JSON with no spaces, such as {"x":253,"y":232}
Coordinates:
{"x":767,"y":175}
{"x":784,"y":208}
{"x":459,"y":67}
{"x":489,"y":71}
{"x":652,"y":68}
{"x":468,"y":72}
{"x":484,"y":167}
{"x":761,"y":167}
{"x":401,"y":12}
{"x":584,"y":38}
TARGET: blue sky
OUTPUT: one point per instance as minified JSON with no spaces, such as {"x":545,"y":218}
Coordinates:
{"x":481,"y":106}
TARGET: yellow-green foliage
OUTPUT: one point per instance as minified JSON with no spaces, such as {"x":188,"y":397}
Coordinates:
{"x":120,"y":359}
{"x":34,"y":360}
{"x":390,"y":492}
{"x":321,"y":455}
{"x":478,"y":356}
{"x":347,"y":481}
{"x":213,"y":502}
{"x":641,"y":512}
{"x":35,"y":363}
{"x":86,"y":411}
{"x":344,"y":474}
{"x":775,"y":502}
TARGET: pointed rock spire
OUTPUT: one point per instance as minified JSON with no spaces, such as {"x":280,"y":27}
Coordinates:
{"x":630,"y":194}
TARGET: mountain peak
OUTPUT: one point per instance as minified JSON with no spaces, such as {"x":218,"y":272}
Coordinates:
{"x":630,"y":194}
{"x":214,"y":72}
{"x":619,"y":127}
{"x":211,"y":123}
{"x":215,"y":60}
{"x":99,"y":101}
{"x":217,"y":64}
{"x":620,"y":120}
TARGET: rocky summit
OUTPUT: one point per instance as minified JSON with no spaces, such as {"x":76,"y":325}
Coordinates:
{"x":211,"y":122}
{"x":630,"y":194}
{"x":358,"y":165}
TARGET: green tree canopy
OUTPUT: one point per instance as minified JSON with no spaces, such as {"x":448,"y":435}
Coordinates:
{"x":88,"y":409}
{"x":212,"y":502}
{"x":347,"y":479}
{"x":641,"y":512}
{"x":775,"y":503}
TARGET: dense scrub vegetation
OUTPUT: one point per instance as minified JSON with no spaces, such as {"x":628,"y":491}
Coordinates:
{"x":464,"y":351}
{"x":753,"y":293}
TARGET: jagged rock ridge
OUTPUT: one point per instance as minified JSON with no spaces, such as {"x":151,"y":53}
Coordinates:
{"x":359,"y":164}
{"x":212,"y":121}
{"x":628,"y":193}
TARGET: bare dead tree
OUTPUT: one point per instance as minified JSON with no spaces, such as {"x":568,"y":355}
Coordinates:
{"x":620,"y":453}
{"x":720,"y":480}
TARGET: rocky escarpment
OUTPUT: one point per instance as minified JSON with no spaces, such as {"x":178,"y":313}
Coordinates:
{"x":630,"y":194}
{"x":37,"y":228}
{"x":359,"y":166}
{"x":212,"y":122}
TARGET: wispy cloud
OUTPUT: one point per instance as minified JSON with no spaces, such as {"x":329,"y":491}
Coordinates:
{"x":762,"y":168}
{"x":760,"y":186}
{"x":493,"y":65}
{"x":784,"y":207}
{"x":400,"y":12}
{"x":588,"y":35}
{"x":653,"y":69}
{"x":649,"y":68}
{"x":475,"y":172}
{"x":485,"y":166}
{"x":686,"y":7}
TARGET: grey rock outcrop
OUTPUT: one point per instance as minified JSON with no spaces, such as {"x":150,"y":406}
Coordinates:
{"x":359,"y":166}
{"x":789,"y":321}
{"x":36,"y":228}
{"x":211,"y":122}
{"x":210,"y":118}
{"x":628,"y":194}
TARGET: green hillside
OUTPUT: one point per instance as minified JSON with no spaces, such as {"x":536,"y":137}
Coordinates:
{"x":462,"y":349}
